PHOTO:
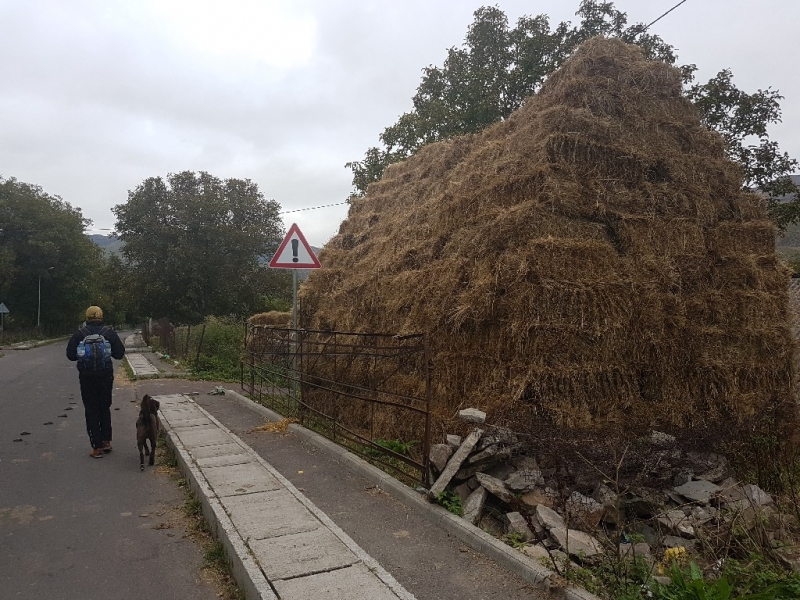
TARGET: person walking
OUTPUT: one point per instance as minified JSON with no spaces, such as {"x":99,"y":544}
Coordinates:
{"x":92,"y":347}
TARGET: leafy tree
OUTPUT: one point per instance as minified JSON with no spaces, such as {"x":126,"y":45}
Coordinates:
{"x":742,"y":119}
{"x":195,"y":244}
{"x":498,"y":67}
{"x":42,"y":240}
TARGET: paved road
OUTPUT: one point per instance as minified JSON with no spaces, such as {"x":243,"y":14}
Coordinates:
{"x":76,"y":527}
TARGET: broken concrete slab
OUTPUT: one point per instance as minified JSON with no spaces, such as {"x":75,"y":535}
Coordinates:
{"x":524,"y":480}
{"x":496,"y":488}
{"x":454,"y":441}
{"x":472,"y":415}
{"x":698,"y":491}
{"x":584,"y":511}
{"x":490,"y":454}
{"x":439,"y":455}
{"x":549,"y":518}
{"x":676,"y":522}
{"x":473,"y":507}
{"x":538,"y":496}
{"x":454,"y":464}
{"x":519,"y":526}
{"x":576,"y":543}
{"x":756,"y":495}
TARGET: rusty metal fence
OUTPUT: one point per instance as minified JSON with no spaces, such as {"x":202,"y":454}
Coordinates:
{"x":367,"y":392}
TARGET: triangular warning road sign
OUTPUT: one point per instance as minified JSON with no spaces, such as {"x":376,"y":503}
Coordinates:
{"x":294,"y":252}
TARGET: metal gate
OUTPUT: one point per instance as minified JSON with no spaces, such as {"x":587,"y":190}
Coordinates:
{"x":367,"y":392}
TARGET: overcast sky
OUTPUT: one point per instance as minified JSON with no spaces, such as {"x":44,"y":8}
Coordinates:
{"x":97,"y":95}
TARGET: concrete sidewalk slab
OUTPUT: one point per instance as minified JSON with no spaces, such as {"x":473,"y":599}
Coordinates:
{"x":353,"y":583}
{"x":279,"y":543}
{"x":304,"y":553}
{"x":243,"y":478}
{"x":141,"y":367}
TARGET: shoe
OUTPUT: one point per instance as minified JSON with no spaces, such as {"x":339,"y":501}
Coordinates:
{"x":107,"y":447}
{"x":96,"y":453}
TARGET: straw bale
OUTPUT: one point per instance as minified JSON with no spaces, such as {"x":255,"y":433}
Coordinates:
{"x":273,"y":318}
{"x":591,"y":260}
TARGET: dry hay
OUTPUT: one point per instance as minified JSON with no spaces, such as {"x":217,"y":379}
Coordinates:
{"x":272,"y":318}
{"x":281,"y":426}
{"x":590,"y":261}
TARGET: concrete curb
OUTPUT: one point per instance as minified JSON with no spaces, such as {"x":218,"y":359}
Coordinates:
{"x":244,"y":569}
{"x":479,"y":540}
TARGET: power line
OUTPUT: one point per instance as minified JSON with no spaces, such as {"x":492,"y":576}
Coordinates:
{"x":664,"y":15}
{"x":286,"y":212}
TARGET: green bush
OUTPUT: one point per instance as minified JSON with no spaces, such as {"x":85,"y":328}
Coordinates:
{"x":451,"y":501}
{"x":220,"y":354}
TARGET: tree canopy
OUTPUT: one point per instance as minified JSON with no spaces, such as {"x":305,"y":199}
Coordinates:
{"x":195,"y":245}
{"x":498,"y":66}
{"x":42,"y":240}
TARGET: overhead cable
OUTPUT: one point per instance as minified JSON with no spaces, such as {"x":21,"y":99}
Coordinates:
{"x":664,"y":15}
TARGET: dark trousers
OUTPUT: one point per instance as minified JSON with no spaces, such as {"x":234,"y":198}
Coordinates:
{"x":96,"y":396}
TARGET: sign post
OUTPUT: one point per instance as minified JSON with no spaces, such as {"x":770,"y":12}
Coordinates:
{"x":3,"y":312}
{"x":294,"y":253}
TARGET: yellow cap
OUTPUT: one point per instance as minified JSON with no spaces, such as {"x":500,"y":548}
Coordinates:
{"x":94,"y":313}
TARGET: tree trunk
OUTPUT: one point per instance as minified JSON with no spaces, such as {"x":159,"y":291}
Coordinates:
{"x":188,"y":335}
{"x":200,"y":343}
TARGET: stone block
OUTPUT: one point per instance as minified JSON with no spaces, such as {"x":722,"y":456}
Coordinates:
{"x":677,"y":523}
{"x":549,"y":518}
{"x":518,"y":525}
{"x":490,"y":454}
{"x":756,"y":495}
{"x":524,"y":480}
{"x":536,"y":497}
{"x":439,"y":455}
{"x":473,"y":507}
{"x":584,"y":511}
{"x":454,"y":441}
{"x":576,"y":543}
{"x":472,"y":415}
{"x":496,"y":488}
{"x":698,"y":491}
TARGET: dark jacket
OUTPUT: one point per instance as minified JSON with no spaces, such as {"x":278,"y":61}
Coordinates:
{"x":117,"y":347}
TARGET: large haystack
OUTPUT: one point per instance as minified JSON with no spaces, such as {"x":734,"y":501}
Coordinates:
{"x":592,"y":260}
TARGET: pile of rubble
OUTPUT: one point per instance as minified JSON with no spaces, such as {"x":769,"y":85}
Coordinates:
{"x":506,"y":493}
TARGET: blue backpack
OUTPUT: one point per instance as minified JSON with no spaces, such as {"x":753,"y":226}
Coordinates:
{"x":94,"y":351}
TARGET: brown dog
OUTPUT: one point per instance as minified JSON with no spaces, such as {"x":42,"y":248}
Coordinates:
{"x":147,"y":429}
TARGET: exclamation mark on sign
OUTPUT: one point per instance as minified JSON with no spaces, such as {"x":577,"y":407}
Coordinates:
{"x":295,"y":244}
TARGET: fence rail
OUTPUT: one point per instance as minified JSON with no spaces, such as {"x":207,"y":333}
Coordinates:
{"x":367,"y":392}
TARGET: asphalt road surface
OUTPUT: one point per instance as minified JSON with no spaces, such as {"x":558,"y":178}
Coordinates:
{"x":74,"y":527}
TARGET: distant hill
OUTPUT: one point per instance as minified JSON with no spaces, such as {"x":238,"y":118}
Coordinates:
{"x":110,"y":244}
